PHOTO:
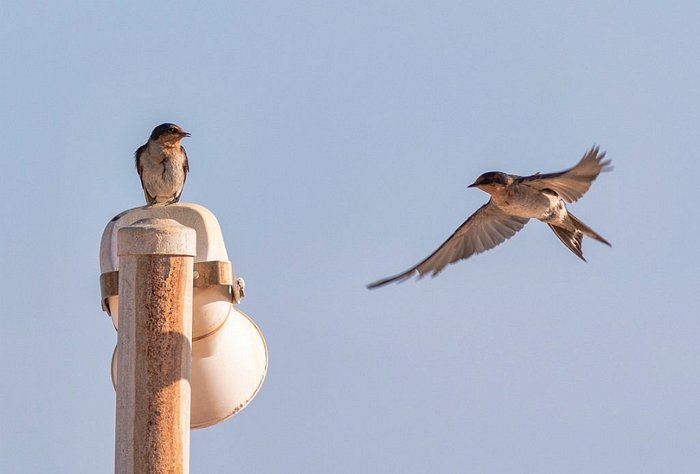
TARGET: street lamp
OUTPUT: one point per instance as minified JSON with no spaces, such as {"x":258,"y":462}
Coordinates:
{"x":229,"y":354}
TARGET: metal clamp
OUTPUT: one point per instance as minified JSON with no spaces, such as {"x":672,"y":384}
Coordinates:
{"x":206,"y":275}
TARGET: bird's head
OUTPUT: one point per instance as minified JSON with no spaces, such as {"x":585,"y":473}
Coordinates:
{"x":490,"y":180}
{"x":168,"y":134}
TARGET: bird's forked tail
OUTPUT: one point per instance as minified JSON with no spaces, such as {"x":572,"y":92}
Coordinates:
{"x":572,"y":238}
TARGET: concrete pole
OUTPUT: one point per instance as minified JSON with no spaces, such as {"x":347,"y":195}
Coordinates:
{"x":154,"y":347}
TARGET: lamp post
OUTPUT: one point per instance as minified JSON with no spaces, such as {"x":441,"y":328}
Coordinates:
{"x":155,"y":347}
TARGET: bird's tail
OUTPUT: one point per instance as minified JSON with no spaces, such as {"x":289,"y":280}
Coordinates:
{"x":572,"y":238}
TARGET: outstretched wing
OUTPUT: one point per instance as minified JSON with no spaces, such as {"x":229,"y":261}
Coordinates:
{"x":574,"y":182}
{"x":485,"y":229}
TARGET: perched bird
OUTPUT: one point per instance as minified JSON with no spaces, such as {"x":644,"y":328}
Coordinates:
{"x":162,"y":164}
{"x":514,"y":201}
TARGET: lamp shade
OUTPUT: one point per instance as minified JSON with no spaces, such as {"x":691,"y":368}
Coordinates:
{"x":228,"y":369}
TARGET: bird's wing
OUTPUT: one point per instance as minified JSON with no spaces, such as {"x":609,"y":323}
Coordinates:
{"x":485,"y":229}
{"x":185,"y":169}
{"x":137,"y":157}
{"x":186,"y":164}
{"x":150,"y":200}
{"x":574,"y":182}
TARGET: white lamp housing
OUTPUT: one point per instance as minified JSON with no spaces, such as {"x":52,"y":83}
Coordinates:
{"x":229,"y":355}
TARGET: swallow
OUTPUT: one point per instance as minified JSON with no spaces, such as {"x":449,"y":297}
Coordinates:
{"x":162,"y":164}
{"x":514,"y":201}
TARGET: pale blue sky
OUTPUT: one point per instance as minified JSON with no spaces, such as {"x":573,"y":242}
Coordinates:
{"x":335,"y":141}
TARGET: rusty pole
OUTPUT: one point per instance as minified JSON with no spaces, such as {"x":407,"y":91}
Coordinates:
{"x":154,"y":346}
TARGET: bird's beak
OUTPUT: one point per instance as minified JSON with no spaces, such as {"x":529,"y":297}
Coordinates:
{"x":473,"y":185}
{"x":185,"y":134}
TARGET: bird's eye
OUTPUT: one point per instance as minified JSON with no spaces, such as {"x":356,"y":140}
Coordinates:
{"x":172,"y":130}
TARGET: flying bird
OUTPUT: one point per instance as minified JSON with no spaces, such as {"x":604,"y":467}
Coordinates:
{"x":514,"y":201}
{"x":162,"y":164}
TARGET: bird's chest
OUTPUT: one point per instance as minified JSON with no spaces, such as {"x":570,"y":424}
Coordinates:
{"x":163,"y":171}
{"x":523,"y":201}
{"x":165,"y":164}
